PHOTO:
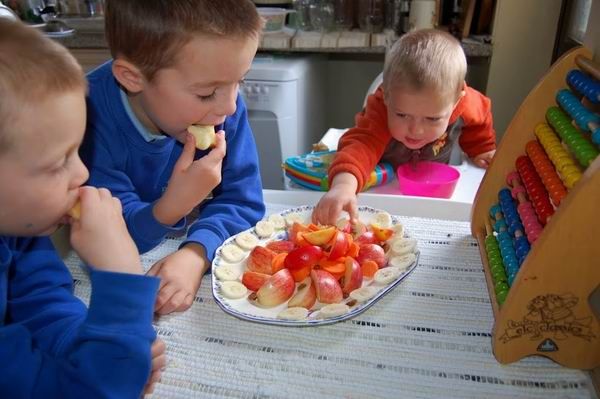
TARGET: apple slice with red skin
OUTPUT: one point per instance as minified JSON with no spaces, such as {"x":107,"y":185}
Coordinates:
{"x":372,"y":252}
{"x":327,"y":287}
{"x":278,"y":289}
{"x":339,"y":246}
{"x":301,"y":257}
{"x":281,"y":246}
{"x":254,"y":280}
{"x":353,"y":276}
{"x":368,"y":237}
{"x":306,"y":296}
{"x":261,"y":260}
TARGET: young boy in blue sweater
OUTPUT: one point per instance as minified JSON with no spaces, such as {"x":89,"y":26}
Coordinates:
{"x":176,"y":64}
{"x":51,"y":346}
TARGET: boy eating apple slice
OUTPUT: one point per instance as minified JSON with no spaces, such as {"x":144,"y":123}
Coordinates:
{"x":204,"y":135}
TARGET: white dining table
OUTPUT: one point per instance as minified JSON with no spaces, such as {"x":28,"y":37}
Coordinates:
{"x":429,"y":337}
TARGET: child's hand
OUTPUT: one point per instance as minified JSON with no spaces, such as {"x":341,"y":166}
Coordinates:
{"x":483,"y":160}
{"x":159,"y":361}
{"x":180,"y":276}
{"x":191,"y":181}
{"x":100,"y":236}
{"x":341,"y":196}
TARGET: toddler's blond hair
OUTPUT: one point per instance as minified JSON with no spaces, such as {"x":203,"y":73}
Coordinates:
{"x":426,"y":59}
{"x":32,"y":68}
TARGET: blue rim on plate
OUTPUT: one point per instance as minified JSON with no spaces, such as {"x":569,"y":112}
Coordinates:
{"x":242,"y":309}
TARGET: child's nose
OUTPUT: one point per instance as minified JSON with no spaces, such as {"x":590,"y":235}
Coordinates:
{"x":81,"y":173}
{"x":412,"y":127}
{"x":227,"y":105}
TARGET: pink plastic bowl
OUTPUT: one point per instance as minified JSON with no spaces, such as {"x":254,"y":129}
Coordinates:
{"x":427,"y":179}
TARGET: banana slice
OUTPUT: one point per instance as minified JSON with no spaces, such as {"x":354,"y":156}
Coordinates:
{"x":402,"y":262}
{"x":233,"y":289}
{"x":293,"y":313}
{"x":277,"y":220}
{"x":246,"y":240}
{"x":333,"y":310}
{"x":292,"y":218}
{"x":232,"y":253}
{"x":204,"y":135}
{"x":264,"y":228}
{"x":382,"y":219}
{"x":363,"y":294}
{"x":386,"y":275}
{"x":402,"y":246}
{"x":398,"y":230}
{"x":226,"y":273}
{"x":75,"y":212}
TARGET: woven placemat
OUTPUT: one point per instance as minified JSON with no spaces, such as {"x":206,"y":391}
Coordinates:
{"x":430,"y":337}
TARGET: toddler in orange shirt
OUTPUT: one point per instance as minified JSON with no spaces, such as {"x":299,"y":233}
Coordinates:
{"x":422,"y":107}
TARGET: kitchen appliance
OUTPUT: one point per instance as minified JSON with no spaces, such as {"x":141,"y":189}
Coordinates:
{"x":285,"y":97}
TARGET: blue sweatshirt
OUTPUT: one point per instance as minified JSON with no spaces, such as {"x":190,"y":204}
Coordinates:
{"x":137,"y":171}
{"x":51,"y":346}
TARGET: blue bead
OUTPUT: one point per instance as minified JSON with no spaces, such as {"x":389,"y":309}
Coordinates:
{"x":494,"y":209}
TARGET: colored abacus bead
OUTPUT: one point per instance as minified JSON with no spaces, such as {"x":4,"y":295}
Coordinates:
{"x":543,"y":166}
{"x":585,"y":85}
{"x":571,"y":136}
{"x":535,"y":189}
{"x":580,"y":114}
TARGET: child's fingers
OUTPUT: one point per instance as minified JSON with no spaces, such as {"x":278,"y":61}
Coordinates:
{"x":175,"y":303}
{"x":187,"y":301}
{"x":188,"y":153}
{"x":158,"y":348}
{"x":159,"y":362}
{"x":352,"y":210}
{"x":219,"y":150}
{"x":482,"y":162}
{"x":154,"y":270}
{"x":149,"y":389}
{"x":163,"y":297}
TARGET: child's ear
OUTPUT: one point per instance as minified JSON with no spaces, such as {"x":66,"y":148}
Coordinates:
{"x":460,"y":96}
{"x":128,"y":75}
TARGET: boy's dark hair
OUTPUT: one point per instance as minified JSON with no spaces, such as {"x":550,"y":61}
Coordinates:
{"x":149,"y":33}
{"x":32,"y":68}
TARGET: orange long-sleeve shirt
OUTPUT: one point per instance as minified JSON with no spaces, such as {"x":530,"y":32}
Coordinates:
{"x":363,"y":146}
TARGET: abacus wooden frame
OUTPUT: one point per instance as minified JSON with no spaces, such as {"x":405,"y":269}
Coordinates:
{"x":565,"y":260}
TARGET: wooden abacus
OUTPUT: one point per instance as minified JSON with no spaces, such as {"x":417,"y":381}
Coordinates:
{"x":547,"y":309}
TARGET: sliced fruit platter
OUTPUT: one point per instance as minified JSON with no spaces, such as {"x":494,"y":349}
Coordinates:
{"x":288,"y":271}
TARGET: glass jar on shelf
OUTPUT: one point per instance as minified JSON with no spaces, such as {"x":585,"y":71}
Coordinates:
{"x":321,"y":14}
{"x":302,"y":8}
{"x":371,"y":15}
{"x":343,"y":14}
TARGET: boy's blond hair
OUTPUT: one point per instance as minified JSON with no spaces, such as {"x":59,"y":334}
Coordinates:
{"x":426,"y":59}
{"x":32,"y":68}
{"x":149,"y":34}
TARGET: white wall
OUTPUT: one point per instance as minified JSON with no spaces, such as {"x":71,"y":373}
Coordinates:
{"x":347,"y":83}
{"x":523,"y":40}
{"x":592,"y":37}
